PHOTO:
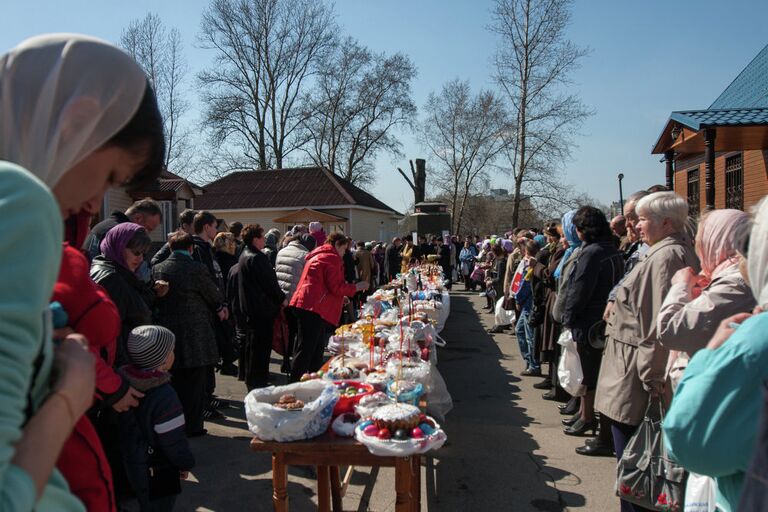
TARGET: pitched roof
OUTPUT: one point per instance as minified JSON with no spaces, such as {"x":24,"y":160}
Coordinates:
{"x":698,"y":119}
{"x":303,"y":187}
{"x":749,"y":89}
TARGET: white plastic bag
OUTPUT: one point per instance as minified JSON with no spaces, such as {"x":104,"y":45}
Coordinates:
{"x":569,"y":370}
{"x":700,"y":494}
{"x":393,"y":448}
{"x":270,"y":423}
{"x":503,"y":317}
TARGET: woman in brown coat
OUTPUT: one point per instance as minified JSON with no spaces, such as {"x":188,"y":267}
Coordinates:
{"x":634,"y":362}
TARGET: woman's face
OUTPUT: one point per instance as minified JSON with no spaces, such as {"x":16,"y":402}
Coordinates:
{"x":341,"y":249}
{"x":230,"y":247}
{"x":84,"y":185}
{"x":580,"y":234}
{"x":652,"y":230}
{"x":132,"y":258}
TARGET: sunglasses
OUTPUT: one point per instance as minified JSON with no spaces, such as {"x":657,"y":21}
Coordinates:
{"x":136,"y":253}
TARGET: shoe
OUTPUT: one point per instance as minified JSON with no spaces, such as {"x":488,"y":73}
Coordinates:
{"x":545,"y":384}
{"x":199,"y":433}
{"x":581,"y":427}
{"x":229,"y":369}
{"x":530,"y":372}
{"x":595,"y":449}
{"x":570,"y":408}
{"x":549,"y":395}
{"x":569,"y":422}
{"x":496,"y":329}
{"x":216,"y":403}
{"x":212,"y":414}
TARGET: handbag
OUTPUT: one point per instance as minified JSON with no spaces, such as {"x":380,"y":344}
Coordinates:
{"x":596,"y":335}
{"x":164,"y":478}
{"x":280,"y":333}
{"x":646,"y":476}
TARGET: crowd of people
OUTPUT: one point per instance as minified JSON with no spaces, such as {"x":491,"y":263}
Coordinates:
{"x":110,"y":357}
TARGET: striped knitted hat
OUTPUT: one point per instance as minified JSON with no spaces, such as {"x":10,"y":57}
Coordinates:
{"x":149,"y":345}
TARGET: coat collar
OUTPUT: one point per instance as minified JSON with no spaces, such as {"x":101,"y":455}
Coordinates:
{"x":673,"y":239}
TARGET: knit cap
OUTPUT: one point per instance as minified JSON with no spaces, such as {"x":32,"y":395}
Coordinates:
{"x":149,"y":346}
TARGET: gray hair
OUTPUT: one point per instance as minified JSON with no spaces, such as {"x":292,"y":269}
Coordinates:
{"x":665,"y":205}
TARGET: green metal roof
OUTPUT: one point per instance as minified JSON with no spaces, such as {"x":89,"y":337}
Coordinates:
{"x":749,"y":89}
{"x":698,"y":119}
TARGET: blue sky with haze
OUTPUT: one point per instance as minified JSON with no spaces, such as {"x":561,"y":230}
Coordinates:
{"x":648,"y":58}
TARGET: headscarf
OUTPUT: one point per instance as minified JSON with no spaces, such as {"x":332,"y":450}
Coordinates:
{"x":541,"y":240}
{"x":307,"y":241}
{"x":569,"y":230}
{"x":507,"y":245}
{"x":716,"y":240}
{"x":757,"y":259}
{"x":62,"y":96}
{"x":116,"y":240}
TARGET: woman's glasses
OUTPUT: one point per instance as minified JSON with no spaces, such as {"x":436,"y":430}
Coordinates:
{"x":136,"y":253}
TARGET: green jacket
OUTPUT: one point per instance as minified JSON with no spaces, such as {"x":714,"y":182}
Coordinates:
{"x":712,"y":425}
{"x":30,"y":254}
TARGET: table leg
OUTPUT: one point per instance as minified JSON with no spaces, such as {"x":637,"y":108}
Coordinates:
{"x":279,"y":483}
{"x":403,"y":500}
{"x":336,"y":489}
{"x":323,"y":489}
{"x":416,"y":483}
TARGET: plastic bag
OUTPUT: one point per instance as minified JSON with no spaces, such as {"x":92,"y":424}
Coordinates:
{"x":270,"y":423}
{"x":503,"y":316}
{"x":569,"y":371}
{"x":700,"y":494}
{"x":440,"y":402}
{"x":393,"y":448}
{"x":416,"y":370}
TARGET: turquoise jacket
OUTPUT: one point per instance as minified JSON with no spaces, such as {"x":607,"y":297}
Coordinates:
{"x":30,"y":254}
{"x":712,"y":425}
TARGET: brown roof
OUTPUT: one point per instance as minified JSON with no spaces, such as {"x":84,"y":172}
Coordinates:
{"x":305,"y":187}
{"x":307,"y":215}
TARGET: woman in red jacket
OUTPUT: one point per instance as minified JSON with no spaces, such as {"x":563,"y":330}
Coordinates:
{"x":317,"y":303}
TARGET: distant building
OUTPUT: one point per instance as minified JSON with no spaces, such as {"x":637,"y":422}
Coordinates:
{"x":499,"y":194}
{"x":614,"y":210}
{"x":283,"y":198}
{"x":716,"y":157}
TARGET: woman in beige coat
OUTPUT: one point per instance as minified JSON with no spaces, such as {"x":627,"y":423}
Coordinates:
{"x":634,"y":362}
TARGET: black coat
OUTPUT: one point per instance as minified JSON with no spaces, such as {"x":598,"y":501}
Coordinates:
{"x":161,"y":255}
{"x":134,"y":299}
{"x":444,"y":251}
{"x":204,"y":254}
{"x":226,"y":262}
{"x":393,"y":260}
{"x":92,"y":245}
{"x":597,"y":270}
{"x":188,"y":308}
{"x":259,"y":294}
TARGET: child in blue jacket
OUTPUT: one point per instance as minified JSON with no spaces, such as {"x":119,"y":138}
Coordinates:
{"x":153,"y":438}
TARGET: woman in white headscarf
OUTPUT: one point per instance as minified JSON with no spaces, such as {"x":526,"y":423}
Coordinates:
{"x":712,"y":425}
{"x":76,"y":117}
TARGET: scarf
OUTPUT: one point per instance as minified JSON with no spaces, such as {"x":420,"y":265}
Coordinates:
{"x":569,"y":231}
{"x":117,"y":240}
{"x":715,"y":242}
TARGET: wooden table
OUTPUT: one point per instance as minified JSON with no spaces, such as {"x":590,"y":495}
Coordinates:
{"x":327,"y":453}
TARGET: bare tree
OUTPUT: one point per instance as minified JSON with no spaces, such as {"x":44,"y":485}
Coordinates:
{"x":159,"y":51}
{"x":464,"y":132}
{"x":265,"y":52}
{"x":358,"y":99}
{"x":534,"y":62}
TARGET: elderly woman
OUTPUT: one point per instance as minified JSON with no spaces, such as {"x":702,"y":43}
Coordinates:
{"x":633,"y":368}
{"x":598,"y":268}
{"x":122,"y":252}
{"x":225,"y":246}
{"x":712,"y":426}
{"x":187,"y":311}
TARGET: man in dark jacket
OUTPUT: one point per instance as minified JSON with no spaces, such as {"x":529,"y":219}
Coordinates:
{"x":146,"y":213}
{"x":392,"y":259}
{"x":259,"y":301}
{"x":186,"y":224}
{"x":445,"y":253}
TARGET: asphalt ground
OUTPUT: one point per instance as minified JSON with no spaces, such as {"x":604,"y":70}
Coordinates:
{"x":505,"y":450}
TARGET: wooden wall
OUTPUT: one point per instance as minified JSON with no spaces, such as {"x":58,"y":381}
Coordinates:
{"x":755,"y":177}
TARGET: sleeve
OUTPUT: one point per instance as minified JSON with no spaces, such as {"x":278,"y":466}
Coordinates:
{"x":168,"y":424}
{"x":711,"y":427}
{"x":207,"y":287}
{"x":91,"y":246}
{"x":28,"y":276}
{"x":581,"y":287}
{"x":334,"y":280}
{"x":270,"y":285}
{"x":161,"y":255}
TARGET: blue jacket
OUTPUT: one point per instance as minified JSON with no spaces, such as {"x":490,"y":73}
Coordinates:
{"x":711,"y":427}
{"x":157,"y":422}
{"x":524,"y":296}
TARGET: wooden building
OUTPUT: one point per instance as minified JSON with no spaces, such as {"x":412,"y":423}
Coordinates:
{"x":282,"y":198}
{"x":718,"y":157}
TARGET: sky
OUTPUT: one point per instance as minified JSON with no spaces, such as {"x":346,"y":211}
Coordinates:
{"x":646,"y":60}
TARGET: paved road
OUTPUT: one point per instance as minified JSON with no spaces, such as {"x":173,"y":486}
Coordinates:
{"x":506,"y":451}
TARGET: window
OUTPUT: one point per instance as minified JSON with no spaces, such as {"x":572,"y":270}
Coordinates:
{"x":734,"y":182}
{"x":694,"y":192}
{"x":168,"y":219}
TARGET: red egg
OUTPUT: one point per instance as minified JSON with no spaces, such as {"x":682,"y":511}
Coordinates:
{"x":383,"y":342}
{"x":371,"y":430}
{"x":416,"y":433}
{"x":384,"y":434}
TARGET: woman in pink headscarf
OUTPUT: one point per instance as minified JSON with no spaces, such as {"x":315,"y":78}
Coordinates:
{"x":697,"y":303}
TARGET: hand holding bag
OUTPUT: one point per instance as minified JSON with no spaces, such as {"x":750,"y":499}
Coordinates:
{"x":646,"y":476}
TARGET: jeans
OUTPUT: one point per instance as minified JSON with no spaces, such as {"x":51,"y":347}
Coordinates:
{"x":526,"y":340}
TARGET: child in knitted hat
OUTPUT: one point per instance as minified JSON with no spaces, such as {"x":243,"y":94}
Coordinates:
{"x":155,"y":448}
